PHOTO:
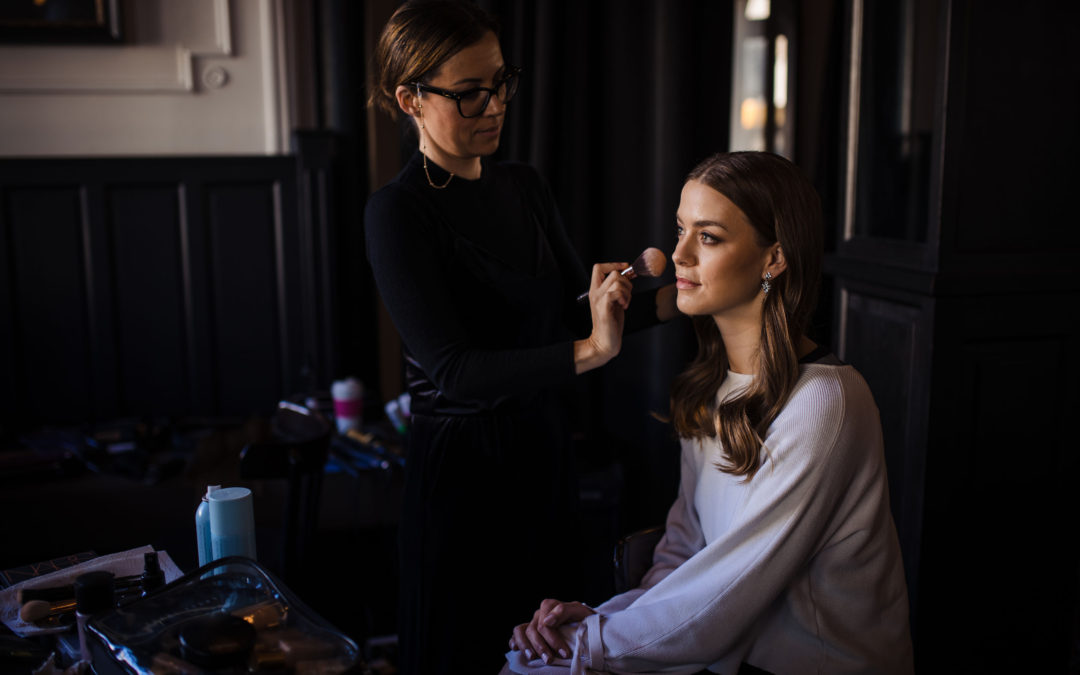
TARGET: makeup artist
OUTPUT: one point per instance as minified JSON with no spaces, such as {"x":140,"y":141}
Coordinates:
{"x":474,"y":265}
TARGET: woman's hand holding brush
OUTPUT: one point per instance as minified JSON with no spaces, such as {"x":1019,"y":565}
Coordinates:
{"x":650,"y":263}
{"x":609,"y":296}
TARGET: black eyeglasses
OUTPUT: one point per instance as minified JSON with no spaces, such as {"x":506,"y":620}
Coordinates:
{"x":473,"y":102}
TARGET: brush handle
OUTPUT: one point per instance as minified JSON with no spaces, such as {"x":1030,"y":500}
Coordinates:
{"x":36,"y":610}
{"x":628,"y":273}
{"x":55,"y":593}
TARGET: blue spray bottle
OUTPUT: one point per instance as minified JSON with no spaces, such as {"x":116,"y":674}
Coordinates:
{"x":202,"y":527}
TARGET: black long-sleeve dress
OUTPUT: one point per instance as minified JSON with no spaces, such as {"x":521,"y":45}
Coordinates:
{"x":480,"y":280}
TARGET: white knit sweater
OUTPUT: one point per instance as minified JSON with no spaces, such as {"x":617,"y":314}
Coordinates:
{"x":796,"y":571}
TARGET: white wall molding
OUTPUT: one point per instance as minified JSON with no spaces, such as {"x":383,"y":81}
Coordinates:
{"x":223,"y":27}
{"x":194,"y":77}
{"x":275,"y":112}
{"x":160,"y":56}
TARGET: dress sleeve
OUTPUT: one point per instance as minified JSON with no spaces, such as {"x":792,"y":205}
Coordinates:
{"x":697,"y":612}
{"x":403,"y":250}
{"x":575,"y":276}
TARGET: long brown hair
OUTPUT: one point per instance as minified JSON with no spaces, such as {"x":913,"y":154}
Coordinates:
{"x":419,"y":37}
{"x":782,"y":205}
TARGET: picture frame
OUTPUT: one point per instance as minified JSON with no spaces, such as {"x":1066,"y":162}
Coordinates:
{"x":60,"y":22}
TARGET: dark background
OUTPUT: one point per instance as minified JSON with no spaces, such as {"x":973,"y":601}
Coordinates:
{"x":190,"y":294}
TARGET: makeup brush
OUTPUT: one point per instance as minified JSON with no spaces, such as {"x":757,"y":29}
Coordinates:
{"x":36,"y":610}
{"x":650,"y":263}
{"x":54,"y":593}
{"x":57,"y":612}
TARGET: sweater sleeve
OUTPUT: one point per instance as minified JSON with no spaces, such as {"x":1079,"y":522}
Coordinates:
{"x":700,"y":611}
{"x":409,"y":268}
{"x":682,"y":534}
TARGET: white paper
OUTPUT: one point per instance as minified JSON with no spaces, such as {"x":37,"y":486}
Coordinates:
{"x":125,"y":563}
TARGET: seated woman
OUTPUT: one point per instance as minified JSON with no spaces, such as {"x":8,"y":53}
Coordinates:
{"x":780,"y":552}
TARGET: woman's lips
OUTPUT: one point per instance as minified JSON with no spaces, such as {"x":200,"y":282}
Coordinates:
{"x":684,"y":284}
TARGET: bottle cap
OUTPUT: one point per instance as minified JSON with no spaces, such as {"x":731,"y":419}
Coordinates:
{"x":152,"y":576}
{"x":232,"y":523}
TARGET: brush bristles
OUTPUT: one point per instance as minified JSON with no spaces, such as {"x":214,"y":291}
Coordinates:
{"x":35,"y":610}
{"x":650,"y":263}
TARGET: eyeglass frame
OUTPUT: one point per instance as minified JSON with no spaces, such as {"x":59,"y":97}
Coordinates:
{"x":511,"y":73}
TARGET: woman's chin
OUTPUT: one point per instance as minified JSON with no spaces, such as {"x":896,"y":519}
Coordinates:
{"x":685,"y":306}
{"x":487,"y":147}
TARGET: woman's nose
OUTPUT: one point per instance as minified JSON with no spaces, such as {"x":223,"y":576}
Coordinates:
{"x":680,"y":255}
{"x":495,"y":106}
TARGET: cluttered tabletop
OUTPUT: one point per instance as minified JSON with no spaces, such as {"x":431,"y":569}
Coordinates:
{"x":103,"y":562}
{"x":229,"y":616}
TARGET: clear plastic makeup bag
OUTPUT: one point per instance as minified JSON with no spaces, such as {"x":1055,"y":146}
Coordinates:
{"x":229,"y":616}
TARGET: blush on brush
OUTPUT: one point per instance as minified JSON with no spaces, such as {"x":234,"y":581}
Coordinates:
{"x":650,"y":263}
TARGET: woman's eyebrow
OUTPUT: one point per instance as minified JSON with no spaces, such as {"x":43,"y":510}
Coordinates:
{"x":479,"y":80}
{"x":704,"y":223}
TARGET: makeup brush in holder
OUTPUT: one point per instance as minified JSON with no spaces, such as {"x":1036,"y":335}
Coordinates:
{"x":650,"y":263}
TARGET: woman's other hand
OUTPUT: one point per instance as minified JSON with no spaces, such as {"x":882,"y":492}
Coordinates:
{"x":540,"y":638}
{"x":609,"y":296}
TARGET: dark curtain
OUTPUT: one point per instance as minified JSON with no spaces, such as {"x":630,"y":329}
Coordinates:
{"x":619,"y":100}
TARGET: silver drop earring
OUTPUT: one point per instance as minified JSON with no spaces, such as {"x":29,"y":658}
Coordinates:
{"x":765,"y":285}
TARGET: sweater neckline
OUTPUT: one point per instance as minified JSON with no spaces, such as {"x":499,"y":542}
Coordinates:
{"x":739,"y":378}
{"x":733,"y":385}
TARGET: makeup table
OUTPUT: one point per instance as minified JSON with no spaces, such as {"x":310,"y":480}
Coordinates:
{"x":229,"y":616}
{"x":55,"y":513}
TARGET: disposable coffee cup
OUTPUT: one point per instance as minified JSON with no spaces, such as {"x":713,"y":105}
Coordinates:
{"x":348,"y":403}
{"x":232,"y":523}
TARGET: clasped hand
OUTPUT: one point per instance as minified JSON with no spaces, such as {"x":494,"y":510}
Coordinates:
{"x":541,"y":636}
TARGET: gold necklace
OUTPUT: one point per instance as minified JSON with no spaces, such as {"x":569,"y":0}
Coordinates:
{"x":423,"y":146}
{"x":431,"y":182}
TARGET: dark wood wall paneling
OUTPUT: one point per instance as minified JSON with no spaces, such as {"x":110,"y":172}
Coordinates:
{"x":164,"y":286}
{"x":887,"y":334}
{"x":969,"y":344}
{"x":1001,"y":518}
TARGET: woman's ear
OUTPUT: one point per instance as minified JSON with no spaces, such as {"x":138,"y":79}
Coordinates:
{"x":406,"y":100}
{"x":775,"y":262}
